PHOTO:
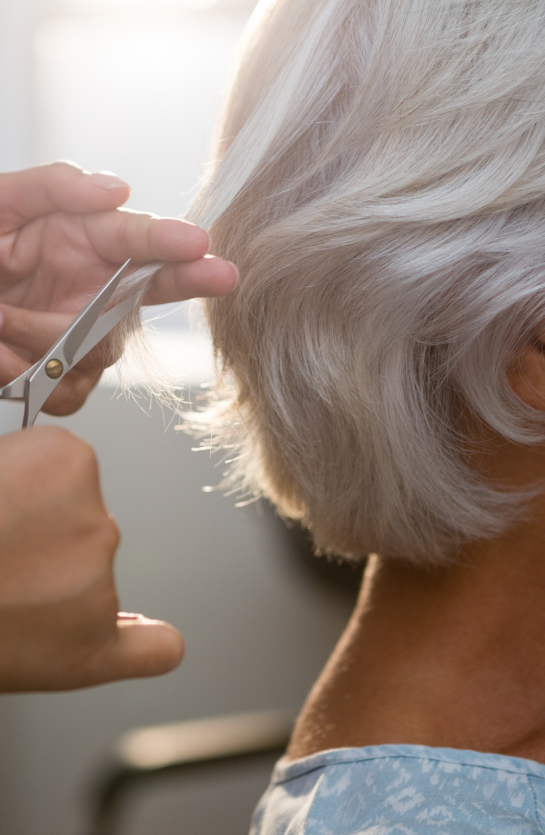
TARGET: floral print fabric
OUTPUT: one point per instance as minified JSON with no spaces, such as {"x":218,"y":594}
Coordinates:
{"x":403,"y":790}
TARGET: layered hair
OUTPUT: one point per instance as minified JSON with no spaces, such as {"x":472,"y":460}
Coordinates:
{"x":380,"y":182}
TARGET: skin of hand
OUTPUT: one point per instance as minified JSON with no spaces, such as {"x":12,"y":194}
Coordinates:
{"x":62,"y":236}
{"x":59,"y":623}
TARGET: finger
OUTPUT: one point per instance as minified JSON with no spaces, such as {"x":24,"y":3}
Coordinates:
{"x":33,"y":333}
{"x":123,"y":234}
{"x":36,"y":331}
{"x":58,"y":186}
{"x":72,"y":392}
{"x":142,"y":648}
{"x":68,"y":396}
{"x":11,"y":365}
{"x":33,"y":330}
{"x":209,"y":276}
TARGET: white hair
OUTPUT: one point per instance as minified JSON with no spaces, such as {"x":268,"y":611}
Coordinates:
{"x":380,"y":183}
{"x":129,"y":346}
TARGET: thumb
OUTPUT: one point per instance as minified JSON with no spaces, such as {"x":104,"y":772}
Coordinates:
{"x":142,"y":648}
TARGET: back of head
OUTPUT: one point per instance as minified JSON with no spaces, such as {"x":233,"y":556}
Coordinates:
{"x":380,"y":182}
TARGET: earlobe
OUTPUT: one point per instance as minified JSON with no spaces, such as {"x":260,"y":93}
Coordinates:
{"x":526,"y":376}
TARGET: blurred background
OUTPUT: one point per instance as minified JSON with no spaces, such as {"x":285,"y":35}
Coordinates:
{"x":134,"y":86}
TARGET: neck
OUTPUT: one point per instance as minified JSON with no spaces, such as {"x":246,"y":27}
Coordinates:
{"x":451,"y":657}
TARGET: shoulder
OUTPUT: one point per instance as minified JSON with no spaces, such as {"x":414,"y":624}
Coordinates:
{"x":403,"y":788}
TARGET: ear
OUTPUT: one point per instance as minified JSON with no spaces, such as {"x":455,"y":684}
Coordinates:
{"x":526,"y":375}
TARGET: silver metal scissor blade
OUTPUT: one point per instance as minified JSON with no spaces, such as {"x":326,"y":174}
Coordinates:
{"x":86,"y":331}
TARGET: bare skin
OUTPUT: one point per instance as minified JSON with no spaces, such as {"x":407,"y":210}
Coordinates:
{"x":62,"y":235}
{"x":59,"y":622}
{"x":453,"y":657}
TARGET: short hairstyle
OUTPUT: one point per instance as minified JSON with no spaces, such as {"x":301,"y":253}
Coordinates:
{"x":380,"y":182}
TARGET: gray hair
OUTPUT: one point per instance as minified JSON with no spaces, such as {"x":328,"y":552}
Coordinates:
{"x":380,"y":183}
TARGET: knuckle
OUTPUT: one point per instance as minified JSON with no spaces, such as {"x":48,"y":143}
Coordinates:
{"x":71,"y":443}
{"x":84,"y":458}
{"x":100,"y":537}
{"x":51,"y":440}
{"x":67,"y":455}
{"x":62,"y":168}
{"x":112,"y":534}
{"x":104,"y":536}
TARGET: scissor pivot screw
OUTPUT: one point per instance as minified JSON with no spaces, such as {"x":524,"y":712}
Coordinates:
{"x":54,"y":369}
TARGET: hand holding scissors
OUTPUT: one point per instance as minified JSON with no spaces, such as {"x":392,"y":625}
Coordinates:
{"x":36,"y":384}
{"x":60,"y":232}
{"x":60,"y":235}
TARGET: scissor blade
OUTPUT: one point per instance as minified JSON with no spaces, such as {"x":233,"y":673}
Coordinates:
{"x":73,"y":338}
{"x":40,"y":386}
{"x":17,"y":388}
{"x":37,"y":384}
{"x":104,"y":325}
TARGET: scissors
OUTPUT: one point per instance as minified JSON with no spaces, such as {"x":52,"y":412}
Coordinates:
{"x":81,"y":336}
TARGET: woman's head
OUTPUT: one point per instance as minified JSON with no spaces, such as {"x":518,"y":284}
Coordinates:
{"x":381,"y":186}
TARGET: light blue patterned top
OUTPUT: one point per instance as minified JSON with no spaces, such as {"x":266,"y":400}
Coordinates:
{"x":403,"y":790}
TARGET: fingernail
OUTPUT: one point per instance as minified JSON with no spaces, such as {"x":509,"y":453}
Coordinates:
{"x":128,"y":616}
{"x":237,"y":273}
{"x":107,"y":180}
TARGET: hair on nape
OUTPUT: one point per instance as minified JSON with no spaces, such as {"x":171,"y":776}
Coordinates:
{"x":380,"y":182}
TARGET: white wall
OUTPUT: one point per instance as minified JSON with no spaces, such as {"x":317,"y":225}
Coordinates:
{"x":136,"y":90}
